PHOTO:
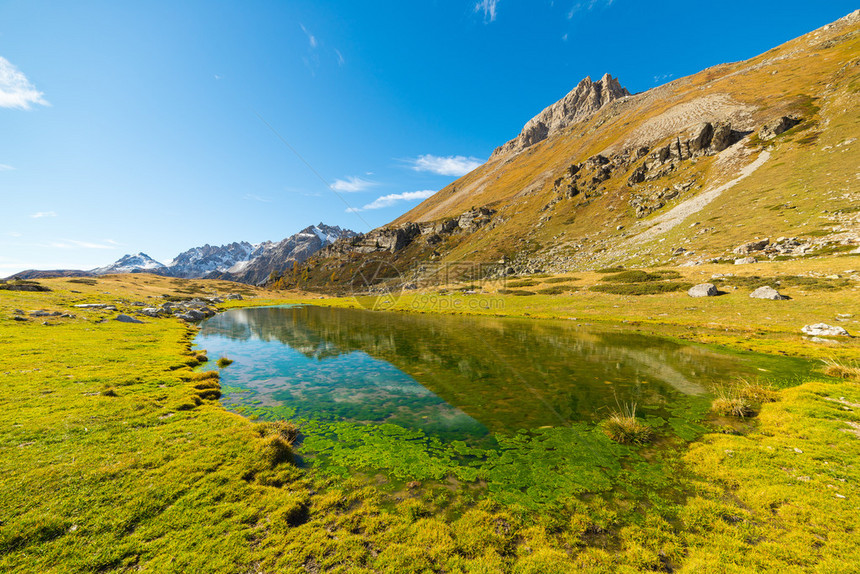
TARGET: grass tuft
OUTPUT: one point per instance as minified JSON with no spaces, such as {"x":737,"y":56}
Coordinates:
{"x":623,"y":427}
{"x":841,"y":369}
{"x":730,"y":402}
{"x":224,"y":361}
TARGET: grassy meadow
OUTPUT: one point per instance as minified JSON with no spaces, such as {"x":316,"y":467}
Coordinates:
{"x":115,"y":454}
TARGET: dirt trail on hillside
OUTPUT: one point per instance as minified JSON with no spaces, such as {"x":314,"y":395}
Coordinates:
{"x":682,"y":211}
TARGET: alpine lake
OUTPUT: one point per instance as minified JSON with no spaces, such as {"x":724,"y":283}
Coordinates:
{"x":500,"y":407}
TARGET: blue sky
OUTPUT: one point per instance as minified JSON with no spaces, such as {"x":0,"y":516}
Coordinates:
{"x":160,"y":126}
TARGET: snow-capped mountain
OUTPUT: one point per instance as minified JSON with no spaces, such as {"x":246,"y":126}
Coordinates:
{"x":132,"y":264}
{"x":201,"y":261}
{"x":282,"y":255}
{"x":240,"y":261}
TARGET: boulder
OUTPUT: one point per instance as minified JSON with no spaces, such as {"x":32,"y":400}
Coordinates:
{"x":748,"y":248}
{"x":192,"y":315}
{"x":700,"y":137}
{"x":745,"y":260}
{"x":126,"y":319}
{"x":233,"y":297}
{"x":722,"y":137}
{"x":149,"y":311}
{"x":772,"y":129}
{"x":767,"y":293}
{"x":703,"y":290}
{"x":824,"y":330}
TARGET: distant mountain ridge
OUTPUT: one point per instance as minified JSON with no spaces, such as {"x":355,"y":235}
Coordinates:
{"x":237,"y":261}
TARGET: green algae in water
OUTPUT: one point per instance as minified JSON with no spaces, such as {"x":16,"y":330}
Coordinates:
{"x":512,"y":403}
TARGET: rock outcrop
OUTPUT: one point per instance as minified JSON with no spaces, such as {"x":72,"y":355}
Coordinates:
{"x":581,"y":103}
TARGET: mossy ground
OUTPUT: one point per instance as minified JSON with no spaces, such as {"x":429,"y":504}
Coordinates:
{"x":156,"y":476}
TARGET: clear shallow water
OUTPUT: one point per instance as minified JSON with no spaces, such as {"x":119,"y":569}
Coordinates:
{"x":511,"y":403}
{"x":461,"y":377}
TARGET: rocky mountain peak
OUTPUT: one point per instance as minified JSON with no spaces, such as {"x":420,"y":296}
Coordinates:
{"x":582,"y":102}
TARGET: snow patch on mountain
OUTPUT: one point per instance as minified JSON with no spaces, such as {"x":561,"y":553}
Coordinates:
{"x":131,"y":264}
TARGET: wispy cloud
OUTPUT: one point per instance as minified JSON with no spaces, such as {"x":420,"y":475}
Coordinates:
{"x":488,"y":7}
{"x":662,"y":78}
{"x":40,"y":214}
{"x":587,"y":5}
{"x":13,"y":234}
{"x":16,"y":91}
{"x":312,"y":40}
{"x":340,"y":60}
{"x":393,"y":198}
{"x":351,"y":184}
{"x":453,"y":165}
{"x":255,"y":197}
{"x":4,"y":167}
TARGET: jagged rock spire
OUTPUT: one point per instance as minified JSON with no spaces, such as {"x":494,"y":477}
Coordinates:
{"x":582,"y":102}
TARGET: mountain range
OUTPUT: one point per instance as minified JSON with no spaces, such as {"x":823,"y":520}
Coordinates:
{"x":241,"y":261}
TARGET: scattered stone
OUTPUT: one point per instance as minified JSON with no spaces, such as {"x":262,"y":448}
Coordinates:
{"x":19,"y":318}
{"x":104,"y":306}
{"x":17,"y":312}
{"x":149,"y":312}
{"x":824,"y":330}
{"x":233,"y":297}
{"x":748,"y":248}
{"x":745,"y":260}
{"x":126,"y":319}
{"x":703,"y":290}
{"x":767,"y":293}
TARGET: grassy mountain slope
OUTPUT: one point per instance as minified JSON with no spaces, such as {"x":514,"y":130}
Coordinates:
{"x":808,"y":186}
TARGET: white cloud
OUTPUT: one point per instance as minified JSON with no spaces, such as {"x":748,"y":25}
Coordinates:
{"x":13,"y":234}
{"x":662,"y":78}
{"x":454,"y":165}
{"x":16,"y":91}
{"x":4,"y":167}
{"x":351,"y":184}
{"x":255,"y":197}
{"x":589,"y":5}
{"x":392,"y":198}
{"x":40,"y":214}
{"x":312,"y":40}
{"x":564,"y":38}
{"x":488,"y":7}
{"x":340,"y":60}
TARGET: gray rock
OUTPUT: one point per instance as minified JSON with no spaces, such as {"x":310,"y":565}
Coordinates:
{"x":233,"y":297}
{"x":126,"y":319}
{"x":103,"y":306}
{"x":748,"y":248}
{"x":772,"y":129}
{"x":40,"y":313}
{"x":767,"y":293}
{"x":149,"y":311}
{"x":192,"y":315}
{"x":703,"y":290}
{"x":19,"y":318}
{"x":824,"y":330}
{"x":745,"y":260}
{"x":722,"y":137}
